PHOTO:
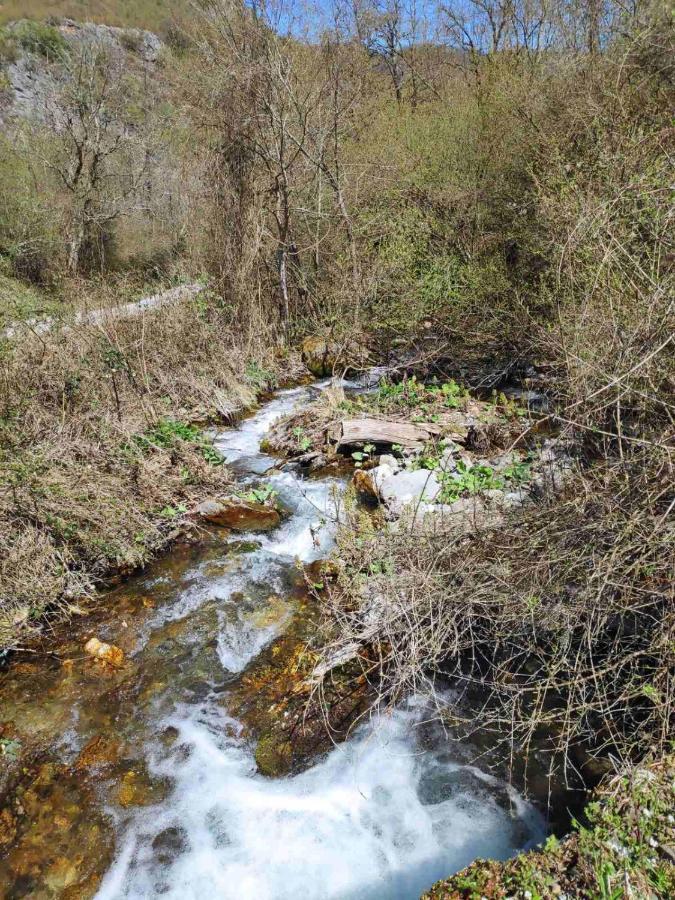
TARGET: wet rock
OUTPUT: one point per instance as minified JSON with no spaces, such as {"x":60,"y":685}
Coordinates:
{"x":106,"y":653}
{"x":99,"y":752}
{"x":239,"y":515}
{"x":169,"y":844}
{"x":137,"y":788}
{"x":364,"y":484}
{"x":273,"y":755}
{"x":8,"y":828}
{"x":320,"y":355}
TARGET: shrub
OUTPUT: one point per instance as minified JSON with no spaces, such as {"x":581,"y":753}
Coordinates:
{"x":42,"y":39}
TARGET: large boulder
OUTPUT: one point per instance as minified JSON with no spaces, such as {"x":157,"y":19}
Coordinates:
{"x":239,"y":515}
{"x":320,"y":355}
{"x":408,"y":488}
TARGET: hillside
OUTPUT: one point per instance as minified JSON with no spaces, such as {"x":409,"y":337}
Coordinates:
{"x":155,"y":15}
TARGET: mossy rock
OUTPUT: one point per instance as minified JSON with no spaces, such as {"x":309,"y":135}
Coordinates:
{"x":273,"y":755}
{"x":319,"y":355}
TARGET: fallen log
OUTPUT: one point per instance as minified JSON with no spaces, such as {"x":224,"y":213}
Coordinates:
{"x":382,"y":431}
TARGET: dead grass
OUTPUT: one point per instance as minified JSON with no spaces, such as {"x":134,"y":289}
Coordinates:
{"x":80,"y":495}
{"x":557,"y":627}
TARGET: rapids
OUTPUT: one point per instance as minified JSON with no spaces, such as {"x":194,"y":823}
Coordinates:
{"x":382,"y":815}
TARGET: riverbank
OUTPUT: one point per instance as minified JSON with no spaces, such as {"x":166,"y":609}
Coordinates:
{"x":625,"y":847}
{"x":103,"y":448}
{"x":155,"y":763}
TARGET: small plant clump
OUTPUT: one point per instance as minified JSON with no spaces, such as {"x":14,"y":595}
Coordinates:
{"x":167,"y":432}
{"x":263,"y":494}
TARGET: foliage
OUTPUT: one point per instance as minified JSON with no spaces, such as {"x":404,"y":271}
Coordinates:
{"x":40,"y":38}
{"x":467,"y":480}
{"x":264,"y":494}
{"x":168,"y":432}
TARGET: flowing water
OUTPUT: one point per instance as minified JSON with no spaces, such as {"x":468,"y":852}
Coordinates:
{"x":152,"y":789}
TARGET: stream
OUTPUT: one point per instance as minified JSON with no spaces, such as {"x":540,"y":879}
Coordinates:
{"x":150,"y":788}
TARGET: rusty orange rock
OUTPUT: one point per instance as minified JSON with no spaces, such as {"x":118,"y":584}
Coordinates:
{"x":106,"y":653}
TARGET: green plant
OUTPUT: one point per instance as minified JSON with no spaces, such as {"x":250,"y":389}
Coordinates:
{"x":264,"y":494}
{"x":451,"y":393}
{"x":518,"y":472}
{"x":173,"y":512}
{"x":467,"y":480}
{"x":303,"y":441}
{"x":360,"y":455}
{"x":260,"y":377}
{"x":37,"y":37}
{"x":168,"y":431}
{"x":10,"y":748}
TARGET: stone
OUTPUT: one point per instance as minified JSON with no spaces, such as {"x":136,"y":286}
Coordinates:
{"x":319,"y":355}
{"x":408,"y":488}
{"x":364,"y":484}
{"x":388,"y":460}
{"x":106,"y":653}
{"x":101,"y":751}
{"x":273,"y":755}
{"x":499,"y":463}
{"x":514,"y":499}
{"x":239,"y":515}
{"x":8,"y":828}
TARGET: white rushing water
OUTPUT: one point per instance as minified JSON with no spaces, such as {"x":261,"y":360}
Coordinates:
{"x":377,"y":818}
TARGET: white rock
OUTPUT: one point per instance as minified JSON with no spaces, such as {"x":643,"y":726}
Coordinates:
{"x":408,"y":488}
{"x":391,"y":461}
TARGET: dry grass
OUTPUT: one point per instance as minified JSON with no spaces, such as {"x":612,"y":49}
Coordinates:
{"x":80,"y":494}
{"x":558,"y":626}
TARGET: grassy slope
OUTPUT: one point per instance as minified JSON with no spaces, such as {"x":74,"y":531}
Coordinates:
{"x":150,"y":14}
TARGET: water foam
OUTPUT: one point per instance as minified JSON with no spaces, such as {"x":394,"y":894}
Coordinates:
{"x":375,"y":819}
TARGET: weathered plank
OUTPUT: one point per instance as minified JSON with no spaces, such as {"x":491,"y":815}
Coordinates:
{"x":382,"y":431}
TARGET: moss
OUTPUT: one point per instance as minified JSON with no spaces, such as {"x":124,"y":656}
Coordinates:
{"x":273,"y":755}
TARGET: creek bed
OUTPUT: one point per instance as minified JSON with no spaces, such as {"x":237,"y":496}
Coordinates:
{"x":147,"y":784}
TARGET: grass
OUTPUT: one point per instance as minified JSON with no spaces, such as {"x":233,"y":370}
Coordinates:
{"x":100,"y":450}
{"x":623,"y":848}
{"x":149,"y":14}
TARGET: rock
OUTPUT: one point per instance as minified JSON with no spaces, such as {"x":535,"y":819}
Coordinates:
{"x":553,"y":477}
{"x":448,"y":460}
{"x":464,"y":515}
{"x":364,"y":484}
{"x":514,"y":499}
{"x":483,"y":438}
{"x":239,"y":515}
{"x":408,"y":488}
{"x":106,"y":653}
{"x":319,"y":355}
{"x":99,"y":752}
{"x":137,"y":788}
{"x":499,"y":463}
{"x":8,"y":828}
{"x":273,"y":755}
{"x":388,"y":460}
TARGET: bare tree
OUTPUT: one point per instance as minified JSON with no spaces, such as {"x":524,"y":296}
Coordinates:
{"x":100,"y":158}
